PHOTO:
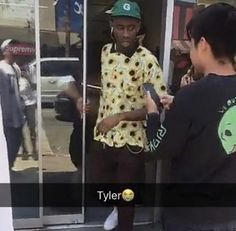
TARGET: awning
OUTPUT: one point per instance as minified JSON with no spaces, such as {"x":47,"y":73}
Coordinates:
{"x":183,"y":46}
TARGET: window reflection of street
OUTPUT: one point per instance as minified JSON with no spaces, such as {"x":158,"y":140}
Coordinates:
{"x":56,"y":136}
{"x":56,"y":161}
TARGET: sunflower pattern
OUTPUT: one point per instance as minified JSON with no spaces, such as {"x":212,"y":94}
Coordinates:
{"x":121,"y":83}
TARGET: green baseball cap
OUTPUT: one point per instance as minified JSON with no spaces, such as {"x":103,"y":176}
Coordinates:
{"x":126,"y":8}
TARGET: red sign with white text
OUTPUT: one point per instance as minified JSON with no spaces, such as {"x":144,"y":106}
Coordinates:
{"x":22,"y":49}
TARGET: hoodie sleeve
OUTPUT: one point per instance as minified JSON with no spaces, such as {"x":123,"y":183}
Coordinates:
{"x":168,"y":139}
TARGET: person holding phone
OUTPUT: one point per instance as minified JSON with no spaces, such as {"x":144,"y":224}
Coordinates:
{"x":198,"y":134}
{"x":120,"y":128}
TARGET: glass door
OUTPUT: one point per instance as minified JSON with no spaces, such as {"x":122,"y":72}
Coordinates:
{"x":61,"y":69}
{"x":17,"y":36}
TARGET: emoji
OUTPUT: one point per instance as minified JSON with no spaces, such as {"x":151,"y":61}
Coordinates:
{"x":128,"y":195}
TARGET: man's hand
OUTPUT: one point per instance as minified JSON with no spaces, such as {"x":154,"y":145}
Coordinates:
{"x":166,"y":101}
{"x":108,"y":123}
{"x":81,"y":108}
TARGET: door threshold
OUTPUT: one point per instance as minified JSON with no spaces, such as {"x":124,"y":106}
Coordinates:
{"x":85,"y":226}
{"x":89,"y":225}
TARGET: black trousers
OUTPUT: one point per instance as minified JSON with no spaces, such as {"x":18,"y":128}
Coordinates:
{"x":119,"y":166}
{"x":13,"y":139}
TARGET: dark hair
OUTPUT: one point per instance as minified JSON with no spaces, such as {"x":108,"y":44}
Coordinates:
{"x":217,"y":24}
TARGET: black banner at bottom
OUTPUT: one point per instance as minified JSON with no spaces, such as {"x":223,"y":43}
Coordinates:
{"x":150,"y":195}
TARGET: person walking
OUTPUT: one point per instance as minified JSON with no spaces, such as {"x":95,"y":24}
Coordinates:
{"x":117,"y":153}
{"x":120,"y":128}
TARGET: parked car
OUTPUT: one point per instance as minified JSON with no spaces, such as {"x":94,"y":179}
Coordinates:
{"x":56,"y":73}
{"x":65,"y":107}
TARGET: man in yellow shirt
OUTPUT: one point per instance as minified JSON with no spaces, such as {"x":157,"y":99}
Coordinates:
{"x":119,"y":133}
{"x":120,"y":126}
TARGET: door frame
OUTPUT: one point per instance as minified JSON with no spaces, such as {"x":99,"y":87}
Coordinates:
{"x":168,"y":9}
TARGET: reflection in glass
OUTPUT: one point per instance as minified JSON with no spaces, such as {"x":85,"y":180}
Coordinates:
{"x":17,"y":26}
{"x":179,"y":57}
{"x":61,"y":65}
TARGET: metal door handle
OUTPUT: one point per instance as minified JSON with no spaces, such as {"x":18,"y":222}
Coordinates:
{"x":52,"y":81}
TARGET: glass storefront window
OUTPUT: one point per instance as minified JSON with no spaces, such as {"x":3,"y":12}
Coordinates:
{"x":61,"y":35}
{"x":180,"y":61}
{"x":17,"y":23}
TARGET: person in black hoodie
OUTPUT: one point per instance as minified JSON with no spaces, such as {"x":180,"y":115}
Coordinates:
{"x":198,"y":134}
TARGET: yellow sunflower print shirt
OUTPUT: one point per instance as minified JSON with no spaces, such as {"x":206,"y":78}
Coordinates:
{"x":121,"y":90}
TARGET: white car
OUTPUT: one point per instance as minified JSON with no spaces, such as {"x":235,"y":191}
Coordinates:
{"x":56,"y":73}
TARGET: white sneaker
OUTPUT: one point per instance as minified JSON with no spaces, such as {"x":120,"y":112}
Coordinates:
{"x":112,"y":220}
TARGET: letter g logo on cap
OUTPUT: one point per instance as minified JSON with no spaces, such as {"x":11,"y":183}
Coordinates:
{"x":126,"y":6}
